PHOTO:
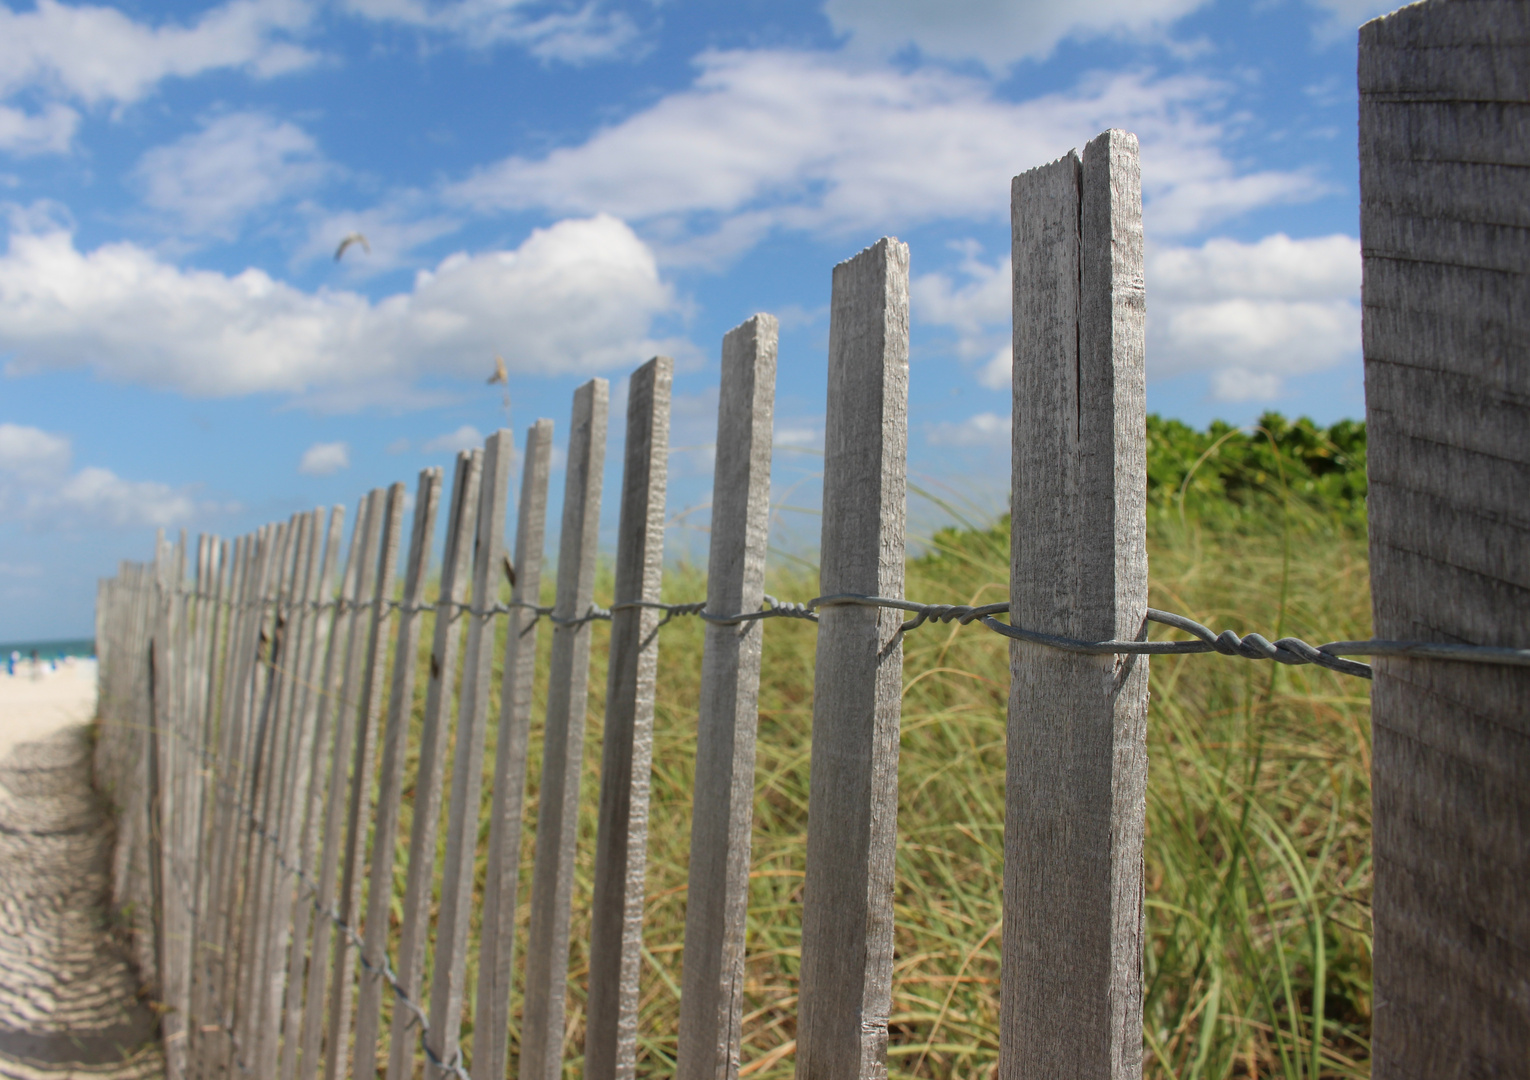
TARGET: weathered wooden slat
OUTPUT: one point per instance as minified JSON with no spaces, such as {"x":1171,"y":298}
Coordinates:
{"x":497,"y":936}
{"x":359,"y":611}
{"x":722,"y":810}
{"x":449,"y":972}
{"x":1445,"y":237}
{"x":621,"y":842}
{"x":270,"y":741}
{"x":298,"y":666}
{"x":343,"y":964}
{"x":847,"y":911}
{"x":552,"y":882}
{"x":284,"y":820}
{"x":317,"y":706}
{"x":391,"y":774}
{"x":1071,"y":999}
{"x":456,"y":568}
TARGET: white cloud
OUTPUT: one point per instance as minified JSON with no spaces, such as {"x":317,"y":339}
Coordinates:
{"x":20,"y":570}
{"x":1249,"y":313}
{"x":37,"y":487}
{"x":772,"y":139}
{"x":1345,"y":16}
{"x":212,"y":179}
{"x":996,"y":32}
{"x":573,"y":33}
{"x":325,"y":458}
{"x":31,"y":452}
{"x":49,"y":131}
{"x":95,"y":54}
{"x":467,"y":437}
{"x":984,"y":429}
{"x":578,"y":296}
{"x":1252,"y":314}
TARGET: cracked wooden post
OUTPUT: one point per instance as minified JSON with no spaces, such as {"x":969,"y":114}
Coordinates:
{"x":1445,"y":236}
{"x":1071,"y":982}
{"x":390,"y":782}
{"x":847,"y":902}
{"x":621,"y":841}
{"x":552,"y":884}
{"x":722,"y":809}
{"x":434,"y":732}
{"x":502,"y":877}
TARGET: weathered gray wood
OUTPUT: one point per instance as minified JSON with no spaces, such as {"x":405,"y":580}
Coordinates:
{"x":301,"y":666}
{"x":552,"y":881}
{"x":1445,"y":235}
{"x":270,"y":742}
{"x":449,"y":972}
{"x":343,"y":964}
{"x":847,"y":903}
{"x":722,"y":810}
{"x":502,"y":878}
{"x":621,"y":841}
{"x":455,"y":570}
{"x":1071,"y":997}
{"x":391,"y":774}
{"x":317,"y":705}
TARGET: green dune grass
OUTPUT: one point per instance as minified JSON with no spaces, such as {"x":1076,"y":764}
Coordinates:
{"x":1258,"y":835}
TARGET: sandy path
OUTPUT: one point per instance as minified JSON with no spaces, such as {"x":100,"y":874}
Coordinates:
{"x":69,"y":1004}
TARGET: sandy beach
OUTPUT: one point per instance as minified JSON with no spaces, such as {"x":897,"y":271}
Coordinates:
{"x":69,"y":996}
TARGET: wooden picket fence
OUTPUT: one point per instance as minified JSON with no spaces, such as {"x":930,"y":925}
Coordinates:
{"x":257,"y":698}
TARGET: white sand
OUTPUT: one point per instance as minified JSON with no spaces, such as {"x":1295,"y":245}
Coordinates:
{"x":33,"y":709}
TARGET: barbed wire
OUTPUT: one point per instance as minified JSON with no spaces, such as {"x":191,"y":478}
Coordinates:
{"x":1254,"y":646}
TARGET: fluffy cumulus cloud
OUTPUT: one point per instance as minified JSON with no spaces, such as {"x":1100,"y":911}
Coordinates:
{"x":38,"y":487}
{"x":1247,"y":314}
{"x":574,"y":33}
{"x":578,"y":296}
{"x":210,"y":180}
{"x":467,"y":437}
{"x":996,"y":32}
{"x":90,"y":55}
{"x":1251,"y":314}
{"x":985,"y":429}
{"x":776,"y":139}
{"x":325,"y":459}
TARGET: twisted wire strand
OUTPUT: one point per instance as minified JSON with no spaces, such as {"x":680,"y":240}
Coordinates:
{"x":1287,"y":650}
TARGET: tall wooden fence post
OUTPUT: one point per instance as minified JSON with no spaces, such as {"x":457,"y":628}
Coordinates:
{"x":552,"y":883}
{"x":722,"y":809}
{"x":456,"y":566}
{"x":847,"y":904}
{"x":449,"y":972}
{"x":390,"y":782}
{"x":1071,"y":993}
{"x":1445,"y":235}
{"x":621,"y":843}
{"x":502,"y":876}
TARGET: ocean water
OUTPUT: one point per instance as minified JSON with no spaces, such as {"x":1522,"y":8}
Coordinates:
{"x":49,"y":650}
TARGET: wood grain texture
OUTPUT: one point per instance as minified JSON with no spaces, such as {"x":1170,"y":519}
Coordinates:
{"x":1445,"y":236}
{"x":449,"y":971}
{"x":722,"y":810}
{"x":502,"y":875}
{"x":347,"y":723}
{"x":847,"y":904}
{"x":552,"y":883}
{"x":456,"y":568}
{"x":390,"y":781}
{"x":621,"y":841}
{"x":359,"y":806}
{"x":1071,"y":996}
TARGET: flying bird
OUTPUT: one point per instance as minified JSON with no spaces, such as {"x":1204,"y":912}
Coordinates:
{"x":500,"y":376}
{"x":352,"y":238}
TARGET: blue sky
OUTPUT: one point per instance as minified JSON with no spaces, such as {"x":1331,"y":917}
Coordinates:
{"x":578,"y":185}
